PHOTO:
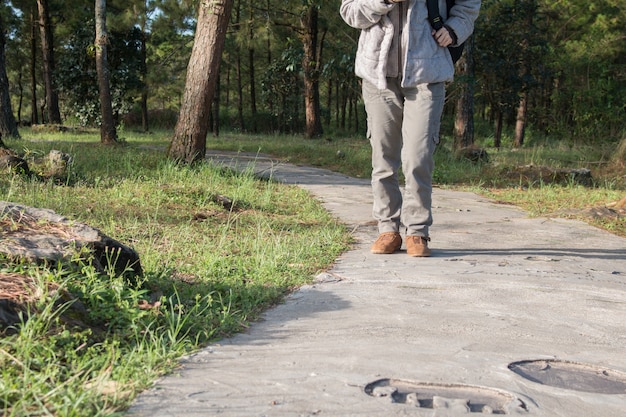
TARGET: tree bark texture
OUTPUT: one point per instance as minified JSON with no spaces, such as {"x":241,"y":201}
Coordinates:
{"x":238,"y":67}
{"x":520,"y":124}
{"x":108,"y":134}
{"x":251,"y":70}
{"x":8,"y":125}
{"x":311,"y":67}
{"x":34,"y":115}
{"x":214,"y":117}
{"x":241,"y":121}
{"x":189,"y":141}
{"x":144,"y":78}
{"x":522,"y":108}
{"x":47,"y":47}
{"x":253,"y":110}
{"x":464,"y":118}
{"x":497,"y":137}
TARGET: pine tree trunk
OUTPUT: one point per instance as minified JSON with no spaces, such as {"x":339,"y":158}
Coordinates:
{"x":522,"y":109}
{"x":8,"y":125}
{"x":497,"y":140}
{"x":215,"y":109}
{"x":108,"y":134}
{"x":238,"y":71}
{"x":145,"y":124}
{"x":241,"y":122}
{"x":251,"y":77}
{"x":34,"y":115}
{"x":47,"y":46}
{"x":189,"y":141}
{"x":520,"y":124}
{"x":253,"y":109}
{"x":310,"y":67}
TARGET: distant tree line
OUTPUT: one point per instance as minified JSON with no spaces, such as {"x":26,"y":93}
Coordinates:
{"x":287,"y":66}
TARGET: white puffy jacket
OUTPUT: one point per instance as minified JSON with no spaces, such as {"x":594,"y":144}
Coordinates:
{"x":419,"y":60}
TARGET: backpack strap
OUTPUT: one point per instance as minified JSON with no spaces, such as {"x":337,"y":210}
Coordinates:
{"x":436,"y":22}
{"x":433,"y":13}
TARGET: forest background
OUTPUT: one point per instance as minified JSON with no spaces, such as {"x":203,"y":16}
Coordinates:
{"x":558,"y":68}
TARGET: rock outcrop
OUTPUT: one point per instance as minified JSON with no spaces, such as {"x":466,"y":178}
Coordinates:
{"x":43,"y":236}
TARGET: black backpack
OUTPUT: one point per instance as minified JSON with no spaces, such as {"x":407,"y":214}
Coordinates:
{"x":437,"y":23}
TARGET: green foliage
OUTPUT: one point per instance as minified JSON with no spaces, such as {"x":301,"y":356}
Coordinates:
{"x":77,"y":76}
{"x":169,"y":41}
{"x":281,"y":90}
{"x":569,"y":56}
{"x":591,"y":64}
{"x":497,"y":64}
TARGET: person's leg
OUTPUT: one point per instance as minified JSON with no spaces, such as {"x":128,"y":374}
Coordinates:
{"x":384,"y":125}
{"x":422,"y":119}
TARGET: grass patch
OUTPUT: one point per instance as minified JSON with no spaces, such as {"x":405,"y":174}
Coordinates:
{"x":91,"y":342}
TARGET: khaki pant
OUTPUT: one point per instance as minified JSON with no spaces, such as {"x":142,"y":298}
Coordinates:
{"x":403,"y":129}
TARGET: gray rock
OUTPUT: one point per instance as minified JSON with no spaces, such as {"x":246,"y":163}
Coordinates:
{"x":42,"y":236}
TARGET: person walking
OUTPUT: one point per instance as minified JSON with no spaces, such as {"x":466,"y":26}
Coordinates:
{"x":404,"y":64}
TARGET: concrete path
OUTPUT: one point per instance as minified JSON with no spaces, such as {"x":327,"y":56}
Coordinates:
{"x":391,"y":335}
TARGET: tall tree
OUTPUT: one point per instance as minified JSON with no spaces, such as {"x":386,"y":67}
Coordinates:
{"x":34,"y":114}
{"x":47,"y":47}
{"x":108,"y":133}
{"x":251,"y":76}
{"x":238,"y":69}
{"x":145,"y":123}
{"x":529,"y":7}
{"x":311,"y":70}
{"x":8,"y":125}
{"x":189,"y":141}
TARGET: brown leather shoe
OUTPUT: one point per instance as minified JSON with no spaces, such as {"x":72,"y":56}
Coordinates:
{"x":387,"y":242}
{"x":417,"y":246}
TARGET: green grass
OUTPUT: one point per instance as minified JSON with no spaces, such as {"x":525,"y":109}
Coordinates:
{"x":94,"y":341}
{"x":208,"y":271}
